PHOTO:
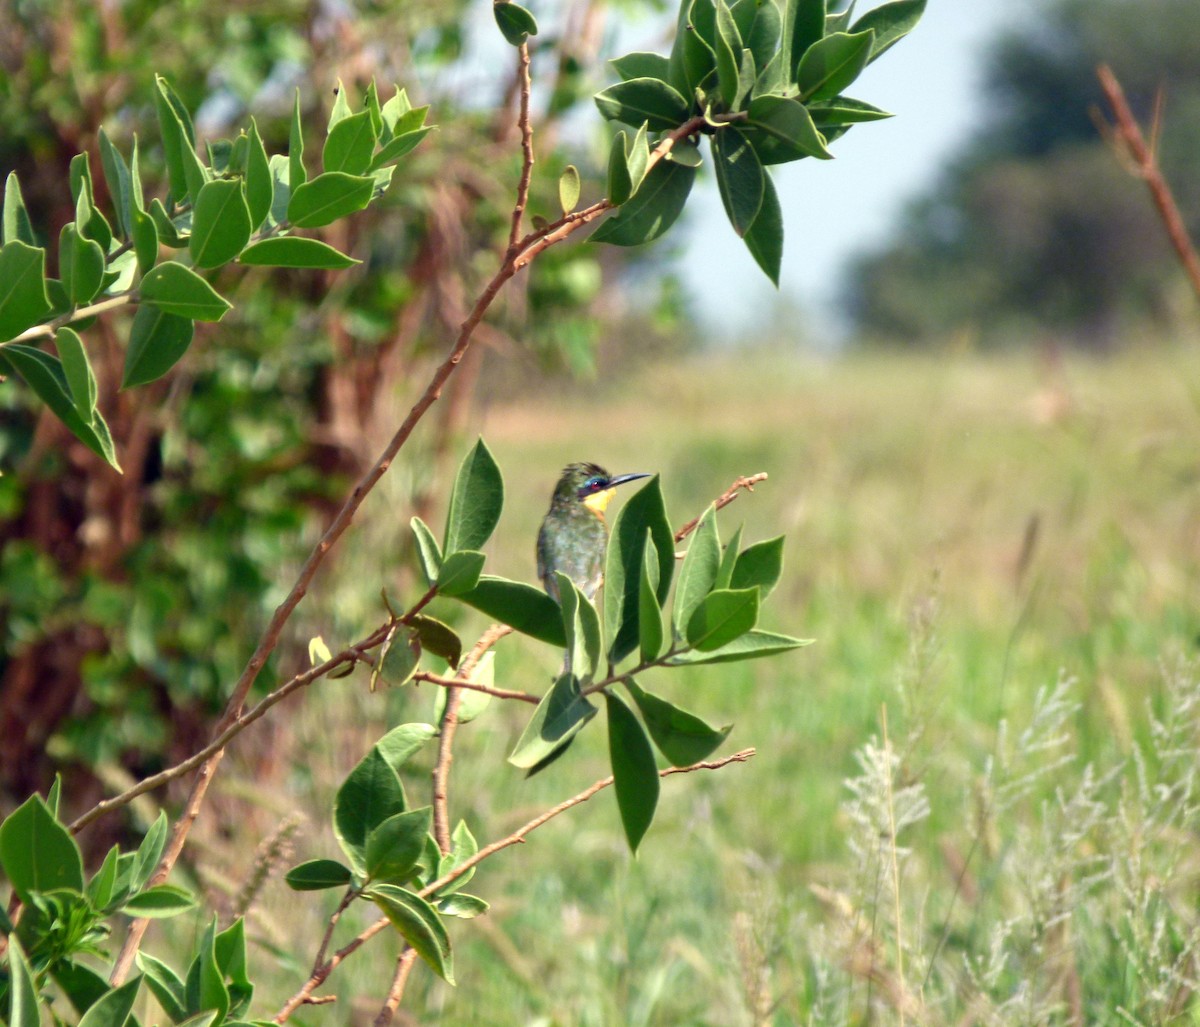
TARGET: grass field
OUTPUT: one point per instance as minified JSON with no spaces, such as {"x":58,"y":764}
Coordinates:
{"x":963,"y":532}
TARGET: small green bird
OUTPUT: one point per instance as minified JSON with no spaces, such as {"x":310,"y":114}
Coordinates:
{"x":574,"y":536}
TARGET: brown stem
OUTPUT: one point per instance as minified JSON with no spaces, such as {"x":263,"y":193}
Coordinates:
{"x":526,"y":127}
{"x":456,"y":683}
{"x":1146,"y":167}
{"x":404,"y":965}
{"x":305,"y":995}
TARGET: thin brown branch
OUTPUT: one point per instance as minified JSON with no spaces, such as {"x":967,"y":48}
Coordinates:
{"x":348,"y":655}
{"x":334,"y":917}
{"x":449,"y":725}
{"x":726,"y":497}
{"x":526,"y":127}
{"x":320,"y":975}
{"x":47,"y":330}
{"x":456,"y":683}
{"x":1145,"y":160}
{"x":404,"y":965}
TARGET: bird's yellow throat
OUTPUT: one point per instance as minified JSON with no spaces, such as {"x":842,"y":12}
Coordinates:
{"x":598,"y":502}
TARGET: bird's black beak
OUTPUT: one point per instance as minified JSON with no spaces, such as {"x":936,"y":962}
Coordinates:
{"x":621,"y":479}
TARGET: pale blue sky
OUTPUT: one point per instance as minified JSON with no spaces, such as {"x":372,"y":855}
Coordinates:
{"x":930,"y":81}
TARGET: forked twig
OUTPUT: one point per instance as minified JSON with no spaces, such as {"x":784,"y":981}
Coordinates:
{"x":305,"y":995}
{"x":726,"y":497}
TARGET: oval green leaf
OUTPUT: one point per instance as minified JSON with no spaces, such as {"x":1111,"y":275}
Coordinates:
{"x":318,"y":874}
{"x":23,"y":299}
{"x":290,"y":251}
{"x":328,"y":197}
{"x":175,"y":289}
{"x":157,"y":341}
{"x":723,"y":616}
{"x":220,"y":223}
{"x":635,"y":774}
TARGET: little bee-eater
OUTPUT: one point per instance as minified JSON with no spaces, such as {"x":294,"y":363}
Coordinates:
{"x":574,"y":536}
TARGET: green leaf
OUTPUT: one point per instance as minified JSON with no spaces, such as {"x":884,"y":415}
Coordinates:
{"x":166,"y":986}
{"x":438,"y":638}
{"x":641,"y":64}
{"x":418,"y":923}
{"x":890,"y":22}
{"x":174,"y":138}
{"x":803,"y":25}
{"x":650,"y":626}
{"x":581,"y":624}
{"x":220,"y":223}
{"x":751,"y":645}
{"x":328,"y":197}
{"x":114,"y":1008}
{"x":398,"y":146}
{"x":693,"y":64}
{"x":654,"y":208}
{"x":681,"y":736}
{"x":764,"y":240}
{"x":81,"y":984}
{"x":102,"y":885}
{"x":842,"y":110}
{"x":781,"y":130}
{"x":37,"y":852}
{"x":297,"y":175}
{"x":176,"y":289}
{"x":759,"y":565}
{"x":318,"y":874}
{"x":728,"y":559}
{"x":620,"y":181}
{"x":398,"y":658}
{"x":723,"y":616}
{"x":24,"y":1004}
{"x":163,"y":900}
{"x":475,"y":503}
{"x":522,"y":607}
{"x":44,"y":374}
{"x":145,"y":240}
{"x":395,"y":846}
{"x":81,"y":380}
{"x":292,"y":251}
{"x":644,"y":512}
{"x":341,"y":107}
{"x":119,"y":181}
{"x":640,"y":100}
{"x":560,"y":716}
{"x":760,"y":26}
{"x":259,"y":187}
{"x":833,"y":63}
{"x":205,"y":985}
{"x":515,"y":22}
{"x":428,"y":550}
{"x":698,"y":574}
{"x":460,"y":572}
{"x":150,"y":851}
{"x":81,"y":265}
{"x":15,"y":223}
{"x":23,"y":299}
{"x":400,"y":744}
{"x":370,"y":795}
{"x":740,"y":178}
{"x":728,"y":49}
{"x":638,"y":159}
{"x":350,"y":144}
{"x":281,"y":192}
{"x":568,"y":188}
{"x":635,"y":774}
{"x":395,"y":109}
{"x":371,"y":102}
{"x":157,"y":341}
{"x":168,"y":232}
{"x":466,"y":907}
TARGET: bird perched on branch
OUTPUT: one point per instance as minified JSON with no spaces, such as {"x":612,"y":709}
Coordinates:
{"x":574,"y":536}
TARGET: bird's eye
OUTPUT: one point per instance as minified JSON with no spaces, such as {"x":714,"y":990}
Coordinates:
{"x":595,"y":484}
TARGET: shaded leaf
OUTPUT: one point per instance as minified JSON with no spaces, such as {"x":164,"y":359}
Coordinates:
{"x":643,"y":100}
{"x":644,"y":512}
{"x":80,"y":265}
{"x":681,"y":736}
{"x":803,"y":25}
{"x":890,"y":22}
{"x":635,"y":774}
{"x":781,"y":130}
{"x":654,"y":208}
{"x":515,"y":22}
{"x":418,"y":923}
{"x":641,"y":64}
{"x":650,"y":626}
{"x":522,"y":607}
{"x":318,"y":874}
{"x":369,"y":795}
{"x":23,"y":299}
{"x":81,"y":380}
{"x":833,"y":63}
{"x":560,"y":715}
{"x":119,"y":181}
{"x":297,"y":175}
{"x":740,"y":178}
{"x":259,"y":186}
{"x":428,"y":550}
{"x":764,"y":240}
{"x":165,"y":984}
{"x":438,"y":638}
{"x":24,"y":1004}
{"x":157,"y":341}
{"x":114,"y":1008}
{"x":394,"y":847}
